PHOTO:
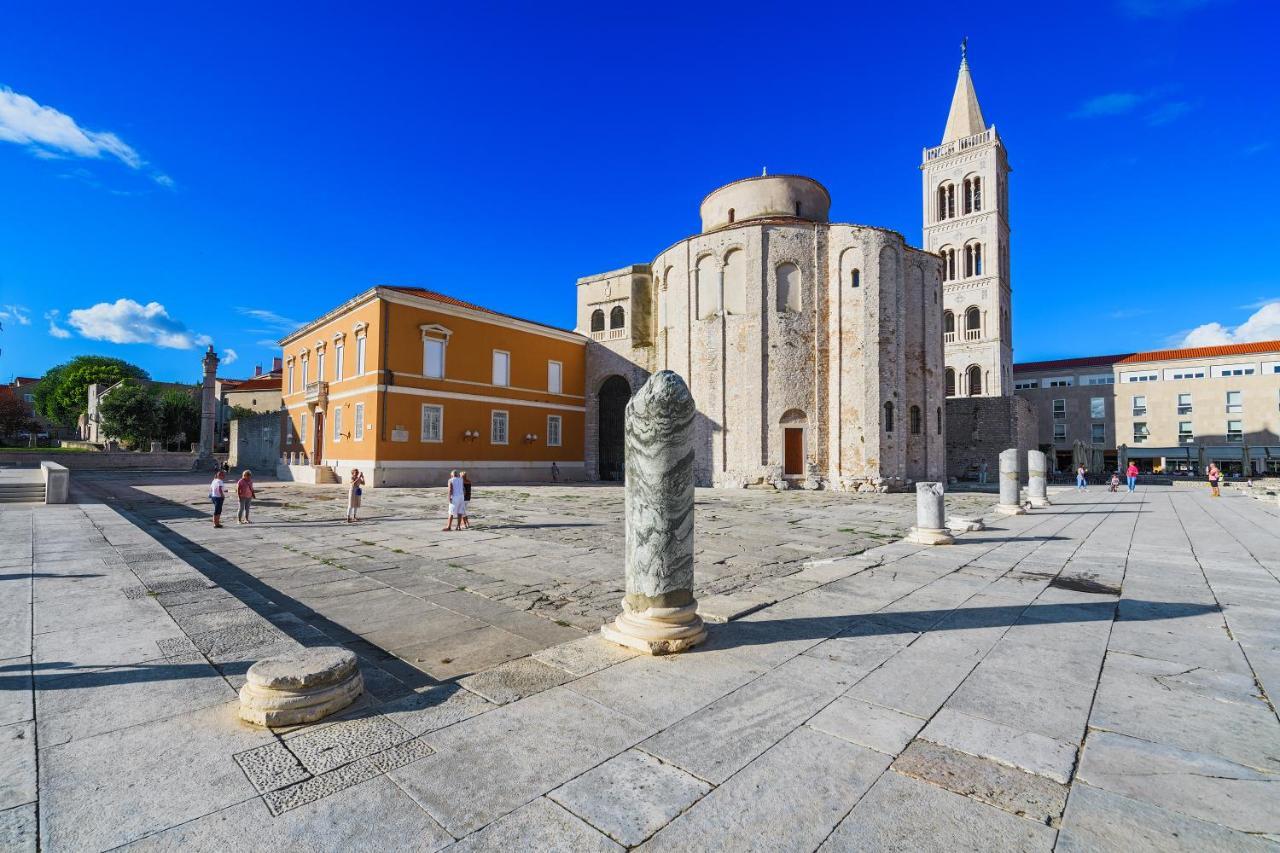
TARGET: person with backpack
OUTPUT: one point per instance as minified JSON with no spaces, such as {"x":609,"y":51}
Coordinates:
{"x":354,"y":490}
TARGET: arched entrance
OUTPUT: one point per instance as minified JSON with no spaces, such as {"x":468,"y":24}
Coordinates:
{"x":794,"y":423}
{"x":614,"y":394}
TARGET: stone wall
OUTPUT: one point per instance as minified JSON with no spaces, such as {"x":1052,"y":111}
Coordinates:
{"x":255,"y":442}
{"x":164,"y":461}
{"x":978,"y":428}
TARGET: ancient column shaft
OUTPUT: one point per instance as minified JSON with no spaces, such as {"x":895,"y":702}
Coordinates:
{"x":931,"y":514}
{"x":208,"y":407}
{"x":1010,"y":483}
{"x":659,"y":610}
{"x":1037,"y":483}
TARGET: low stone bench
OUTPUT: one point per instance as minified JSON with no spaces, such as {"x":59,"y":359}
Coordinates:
{"x":302,"y":687}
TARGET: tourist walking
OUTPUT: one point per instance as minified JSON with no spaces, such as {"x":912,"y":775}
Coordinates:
{"x":465,"y":523}
{"x":457,"y":497}
{"x":982,"y":473}
{"x":246,"y":494}
{"x":1081,"y":482}
{"x":1214,"y":476}
{"x":217,"y":494}
{"x":354,"y":491}
{"x":1131,"y":474}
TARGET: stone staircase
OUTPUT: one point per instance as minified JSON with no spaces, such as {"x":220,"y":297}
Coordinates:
{"x":21,"y":492}
{"x":325,"y":475}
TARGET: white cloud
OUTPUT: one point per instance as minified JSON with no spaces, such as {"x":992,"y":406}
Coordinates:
{"x":54,"y":329}
{"x":270,"y":319}
{"x":51,"y":134}
{"x":19,"y":314}
{"x":1262,"y":325}
{"x":1110,"y":104}
{"x":229,"y":356}
{"x":127,"y":322}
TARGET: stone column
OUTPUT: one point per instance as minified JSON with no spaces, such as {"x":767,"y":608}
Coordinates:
{"x":1010,"y":502}
{"x":1037,"y":484}
{"x":931,"y":514}
{"x":659,"y":612}
{"x":208,"y":411}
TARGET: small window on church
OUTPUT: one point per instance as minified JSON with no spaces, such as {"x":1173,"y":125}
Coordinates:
{"x":915,"y":420}
{"x":855,"y":278}
{"x":939,"y":420}
{"x":731,"y":216}
{"x":888,"y":417}
{"x":797,"y":208}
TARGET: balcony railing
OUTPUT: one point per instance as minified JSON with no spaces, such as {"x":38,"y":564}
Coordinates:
{"x":972,"y":334}
{"x":609,"y":335}
{"x":948,"y":337}
{"x":316,"y":392}
{"x":957,"y":145}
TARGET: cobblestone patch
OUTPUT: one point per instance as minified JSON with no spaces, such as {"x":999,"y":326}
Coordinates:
{"x":402,"y":754}
{"x":179,"y":650}
{"x":319,"y":787}
{"x":236,"y":639}
{"x":515,"y":680}
{"x":321,"y":750}
{"x":271,"y":767}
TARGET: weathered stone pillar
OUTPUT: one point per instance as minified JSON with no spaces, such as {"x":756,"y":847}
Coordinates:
{"x":208,"y":410}
{"x":659,"y":612}
{"x":1010,"y":502}
{"x":931,"y":514}
{"x":1037,"y":484}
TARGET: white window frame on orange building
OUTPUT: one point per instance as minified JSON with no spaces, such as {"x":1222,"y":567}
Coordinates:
{"x":435,"y":334}
{"x":557,"y":433}
{"x":507,"y":379}
{"x":422,"y":424}
{"x":506,"y":426}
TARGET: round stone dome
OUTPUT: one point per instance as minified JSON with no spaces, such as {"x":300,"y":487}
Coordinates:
{"x":765,"y":197}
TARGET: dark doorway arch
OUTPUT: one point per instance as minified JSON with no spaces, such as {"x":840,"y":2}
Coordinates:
{"x":614,"y":394}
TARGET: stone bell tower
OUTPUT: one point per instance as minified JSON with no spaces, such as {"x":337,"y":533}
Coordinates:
{"x":966,"y":221}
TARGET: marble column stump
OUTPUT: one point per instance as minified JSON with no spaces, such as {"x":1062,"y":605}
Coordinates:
{"x":931,"y":515}
{"x":1037,"y":482}
{"x":1010,"y":500}
{"x":659,"y":612}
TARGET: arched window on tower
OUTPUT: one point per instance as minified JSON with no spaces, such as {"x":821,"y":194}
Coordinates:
{"x":950,"y":379}
{"x":972,"y":323}
{"x":888,"y":417}
{"x":597,"y":320}
{"x":972,"y":194}
{"x":915,"y":420}
{"x":977,"y":258}
{"x":855,"y":278}
{"x":948,"y":326}
{"x":939,"y":420}
{"x":948,"y":264}
{"x":617,"y":317}
{"x":731,"y":216}
{"x":946,"y":201}
{"x":975,"y":381}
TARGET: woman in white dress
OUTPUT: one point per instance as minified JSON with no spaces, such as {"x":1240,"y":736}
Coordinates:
{"x":457,"y":502}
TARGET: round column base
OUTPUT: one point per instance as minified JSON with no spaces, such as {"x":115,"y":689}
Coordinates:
{"x":1040,"y":503}
{"x":930,"y":536}
{"x":960,"y":524}
{"x":1011,"y":509}
{"x":658,"y":630}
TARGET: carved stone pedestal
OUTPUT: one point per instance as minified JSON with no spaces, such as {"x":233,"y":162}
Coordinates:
{"x":300,"y":688}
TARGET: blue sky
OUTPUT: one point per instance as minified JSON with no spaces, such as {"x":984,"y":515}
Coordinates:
{"x":227,"y":170}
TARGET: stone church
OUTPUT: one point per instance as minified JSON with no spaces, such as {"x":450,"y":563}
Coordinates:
{"x":820,"y":354}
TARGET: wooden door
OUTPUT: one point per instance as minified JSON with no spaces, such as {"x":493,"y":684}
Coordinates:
{"x":793,"y":451}
{"x":318,"y":455}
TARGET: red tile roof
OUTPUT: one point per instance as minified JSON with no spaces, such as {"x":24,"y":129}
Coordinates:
{"x":265,"y":382}
{"x":1150,"y":355}
{"x":1204,"y":352}
{"x":458,"y":303}
{"x":24,"y":380}
{"x":1062,"y":363}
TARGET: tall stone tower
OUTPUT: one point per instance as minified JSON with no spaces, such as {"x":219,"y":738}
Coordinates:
{"x":966,"y":221}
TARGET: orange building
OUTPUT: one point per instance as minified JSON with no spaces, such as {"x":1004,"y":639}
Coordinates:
{"x":406,"y":384}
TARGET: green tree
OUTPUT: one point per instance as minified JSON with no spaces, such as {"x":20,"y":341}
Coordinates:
{"x":130,"y":413}
{"x":178,"y":415}
{"x":243,"y":412}
{"x":62,"y":395}
{"x":13,"y":416}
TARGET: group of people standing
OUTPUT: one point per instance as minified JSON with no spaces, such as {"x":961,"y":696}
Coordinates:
{"x":1130,"y":474}
{"x":459,"y":491}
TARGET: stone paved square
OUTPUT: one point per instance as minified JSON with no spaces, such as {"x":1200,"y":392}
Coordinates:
{"x":1100,"y":674}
